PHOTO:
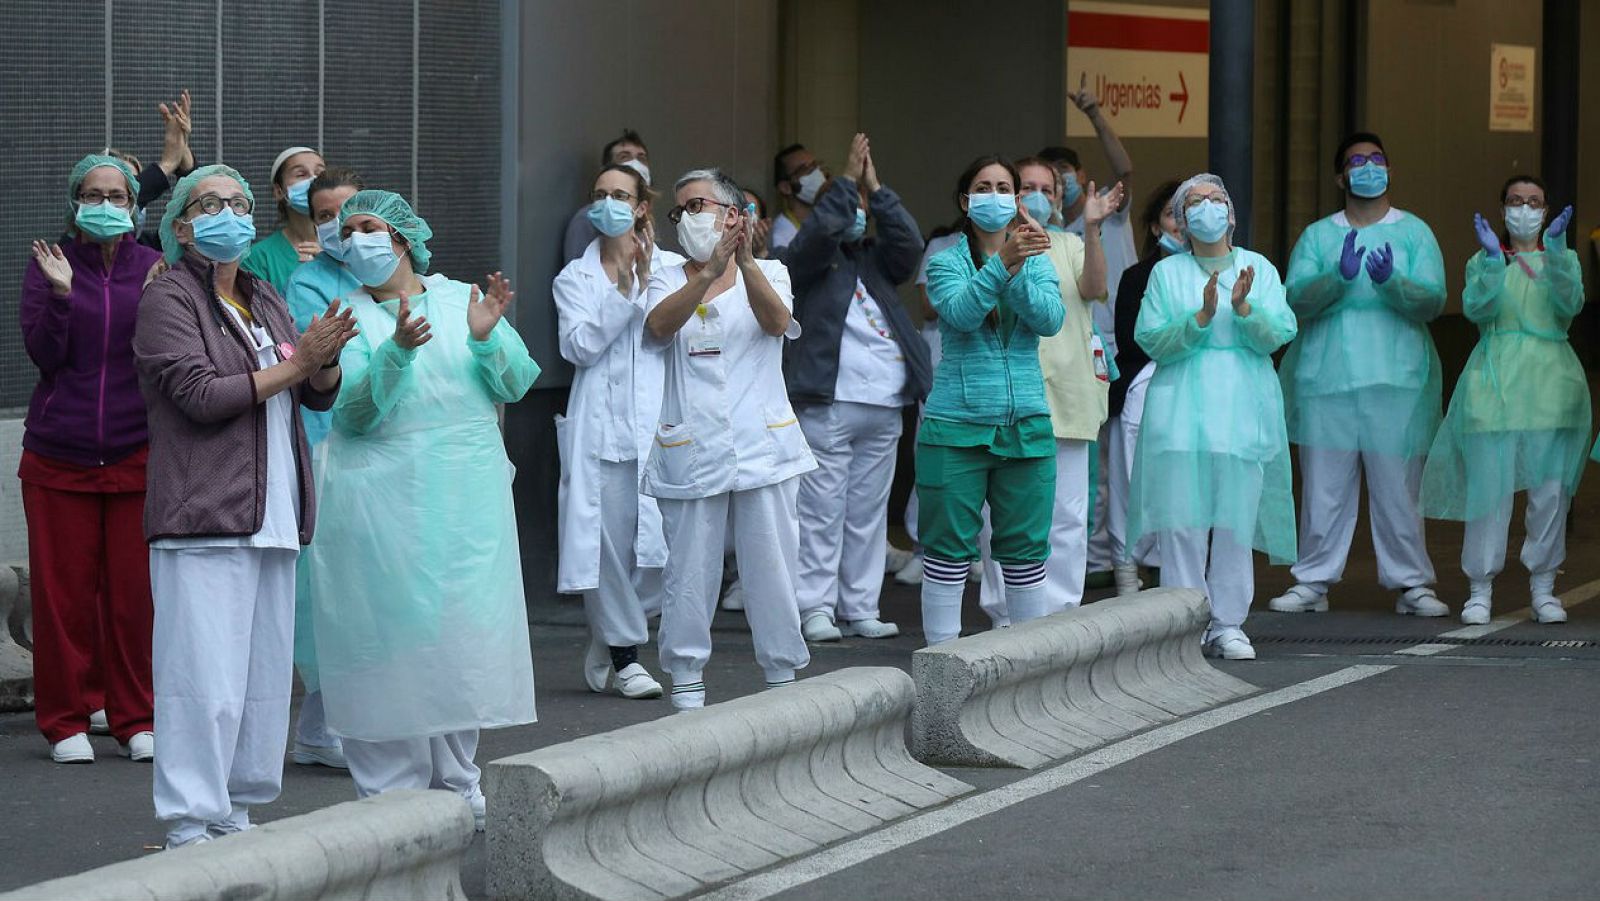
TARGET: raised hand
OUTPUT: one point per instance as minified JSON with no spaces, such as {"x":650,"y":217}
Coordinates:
{"x":176,"y":126}
{"x":1350,"y":257}
{"x":324,"y":338}
{"x":1556,"y":233}
{"x":1096,"y":207}
{"x":1083,"y":98}
{"x":644,"y":248}
{"x":485,"y":310}
{"x":1208,"y":301}
{"x":411,"y":333}
{"x":855,"y":162}
{"x":1026,"y":241}
{"x":723,"y":253}
{"x":1241,"y":290}
{"x":1486,"y":236}
{"x":1380,"y":264}
{"x":869,"y":176}
{"x":53,"y":263}
{"x":762,"y":232}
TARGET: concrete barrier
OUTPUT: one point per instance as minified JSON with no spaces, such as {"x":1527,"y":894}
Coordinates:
{"x":1060,"y":685}
{"x":403,"y":845}
{"x":671,"y":807}
{"x":16,"y":661}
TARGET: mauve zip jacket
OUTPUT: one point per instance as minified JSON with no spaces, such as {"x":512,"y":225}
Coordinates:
{"x":86,"y":409}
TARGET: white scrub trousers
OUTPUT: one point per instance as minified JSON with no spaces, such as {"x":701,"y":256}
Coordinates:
{"x":1216,"y":562}
{"x":618,"y":608}
{"x":1123,"y":431}
{"x":1100,"y":558}
{"x":844,"y":508}
{"x":1330,"y":495}
{"x":1069,"y":524}
{"x":223,"y":666}
{"x":438,"y":761}
{"x":1483,"y":551}
{"x":766,"y":539}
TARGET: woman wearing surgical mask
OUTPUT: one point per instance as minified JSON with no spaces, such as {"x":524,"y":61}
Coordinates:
{"x":83,"y":471}
{"x":1126,"y":403}
{"x":277,"y":256}
{"x":1076,"y":374}
{"x":986,"y":436}
{"x":230,"y":502}
{"x":612,"y":548}
{"x":727,"y":448}
{"x":312,"y":289}
{"x":1519,"y":417}
{"x":417,"y":604}
{"x":1211,"y":477}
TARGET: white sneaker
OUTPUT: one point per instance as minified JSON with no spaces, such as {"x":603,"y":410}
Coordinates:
{"x":894,"y":558}
{"x":597,"y":665}
{"x":1547,"y":607}
{"x":73,"y":750}
{"x":330,"y":756}
{"x":1230,"y":644}
{"x":1300,"y":599}
{"x":868,"y":628}
{"x":911,"y":573}
{"x":480,"y":809}
{"x":733,"y":598}
{"x":1420,"y":601}
{"x":141,"y":748}
{"x":1126,"y":576}
{"x":817,"y":627}
{"x":635,"y":682}
{"x":200,"y":839}
{"x":99,"y":724}
{"x":1475,"y":612}
{"x":235,"y":823}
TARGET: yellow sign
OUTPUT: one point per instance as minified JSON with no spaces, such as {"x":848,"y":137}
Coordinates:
{"x":1510,"y":87}
{"x":1150,"y":66}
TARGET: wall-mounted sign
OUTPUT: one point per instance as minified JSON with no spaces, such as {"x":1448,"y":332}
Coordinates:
{"x":1510,"y":87}
{"x":1149,"y":65}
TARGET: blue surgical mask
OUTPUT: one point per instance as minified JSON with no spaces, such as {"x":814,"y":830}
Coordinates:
{"x":991,"y":212}
{"x":371,"y":257}
{"x":1171,"y":244}
{"x":1208,"y":220}
{"x":1368,"y":180}
{"x":857,"y":228}
{"x":328,"y":236}
{"x":1072,"y":191}
{"x":103,"y":221}
{"x":223,"y":237}
{"x":1038,"y":206}
{"x":611,"y":217}
{"x":299,"y":196}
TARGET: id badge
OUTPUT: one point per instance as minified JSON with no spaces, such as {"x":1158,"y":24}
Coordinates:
{"x":709,"y":342}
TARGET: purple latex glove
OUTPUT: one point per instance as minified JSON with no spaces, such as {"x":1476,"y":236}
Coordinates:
{"x":1380,"y":264}
{"x":1558,"y":227}
{"x":1350,"y":257}
{"x":1486,"y":236}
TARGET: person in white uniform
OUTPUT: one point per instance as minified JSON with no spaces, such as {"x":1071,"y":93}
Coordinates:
{"x":727,"y":449}
{"x":626,"y":150}
{"x":612,"y":547}
{"x":417,"y":603}
{"x":229,"y":503}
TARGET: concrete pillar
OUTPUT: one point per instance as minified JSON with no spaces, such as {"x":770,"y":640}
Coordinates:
{"x":1233,"y":29}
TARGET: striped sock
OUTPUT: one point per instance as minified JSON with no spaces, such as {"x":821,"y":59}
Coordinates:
{"x":689,"y":695}
{"x":943,"y":583}
{"x":1025,"y":598}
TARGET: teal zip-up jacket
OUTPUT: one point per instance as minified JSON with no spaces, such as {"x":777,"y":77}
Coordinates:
{"x":984,"y":377}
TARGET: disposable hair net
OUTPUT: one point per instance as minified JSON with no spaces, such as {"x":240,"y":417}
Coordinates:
{"x":94,"y":161}
{"x":393,"y":209}
{"x":170,"y":248}
{"x":1179,"y":198}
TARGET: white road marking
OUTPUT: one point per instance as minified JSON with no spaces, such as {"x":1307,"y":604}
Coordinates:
{"x":1585,"y":592}
{"x":894,"y":837}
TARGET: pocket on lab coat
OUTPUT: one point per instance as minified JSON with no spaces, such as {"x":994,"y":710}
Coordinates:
{"x":675,"y":458}
{"x":787,"y":441}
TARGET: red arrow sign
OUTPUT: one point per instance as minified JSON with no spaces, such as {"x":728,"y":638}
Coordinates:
{"x":1175,"y":96}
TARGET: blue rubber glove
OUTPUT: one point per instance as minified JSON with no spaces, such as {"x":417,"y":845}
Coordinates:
{"x":1350,"y":257}
{"x":1486,"y":236}
{"x":1380,"y":264}
{"x":1555,"y":237}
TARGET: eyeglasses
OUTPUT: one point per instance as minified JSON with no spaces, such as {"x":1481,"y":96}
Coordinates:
{"x":805,"y":170}
{"x":694,"y":207}
{"x":117,"y":198}
{"x":1193,"y":200}
{"x":1533,"y":203}
{"x":1361,"y":159}
{"x":211,"y":204}
{"x":598,"y":195}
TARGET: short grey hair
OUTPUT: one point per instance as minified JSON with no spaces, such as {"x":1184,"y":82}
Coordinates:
{"x":726,"y":189}
{"x":1181,"y":196}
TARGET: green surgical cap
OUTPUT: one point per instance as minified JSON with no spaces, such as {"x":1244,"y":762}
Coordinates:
{"x":393,"y":209}
{"x":95,"y":161}
{"x":170,"y":248}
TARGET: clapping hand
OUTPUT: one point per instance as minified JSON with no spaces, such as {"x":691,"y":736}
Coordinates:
{"x":1556,"y":235}
{"x":1096,"y":206}
{"x":176,"y":155}
{"x":323,"y":340}
{"x":486,"y":309}
{"x":411,"y":333}
{"x":855,"y":163}
{"x":1241,"y":291}
{"x":1486,"y":236}
{"x":53,"y":263}
{"x":1380,"y":264}
{"x":1208,"y":302}
{"x":723,"y":253}
{"x":644,"y":247}
{"x":1027,"y":240}
{"x":1350,"y":257}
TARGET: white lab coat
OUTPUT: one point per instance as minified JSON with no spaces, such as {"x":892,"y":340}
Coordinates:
{"x":726,"y":424}
{"x":601,"y":334}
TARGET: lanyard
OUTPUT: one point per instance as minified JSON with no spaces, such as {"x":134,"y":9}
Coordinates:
{"x":861,"y":302}
{"x":237,"y":306}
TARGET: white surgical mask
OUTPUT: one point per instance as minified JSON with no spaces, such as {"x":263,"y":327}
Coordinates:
{"x":639,"y":167}
{"x":810,"y":184}
{"x":1523,"y":222}
{"x":697,"y":234}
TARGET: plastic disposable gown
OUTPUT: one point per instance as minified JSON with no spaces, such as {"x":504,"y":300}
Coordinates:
{"x":420,"y":623}
{"x":311,"y":288}
{"x":1364,"y":375}
{"x":1213,"y":452}
{"x":1519,"y":417}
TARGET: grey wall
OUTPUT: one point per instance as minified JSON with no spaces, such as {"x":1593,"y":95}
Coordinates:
{"x":697,"y":79}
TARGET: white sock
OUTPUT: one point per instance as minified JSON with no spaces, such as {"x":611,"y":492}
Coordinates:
{"x":1025,"y":598}
{"x":941,"y":600}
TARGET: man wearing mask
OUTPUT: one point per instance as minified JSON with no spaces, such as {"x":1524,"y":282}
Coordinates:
{"x":800,"y":177}
{"x":626,"y":150}
{"x":1362,"y":383}
{"x":851,"y":372}
{"x":1116,"y":239}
